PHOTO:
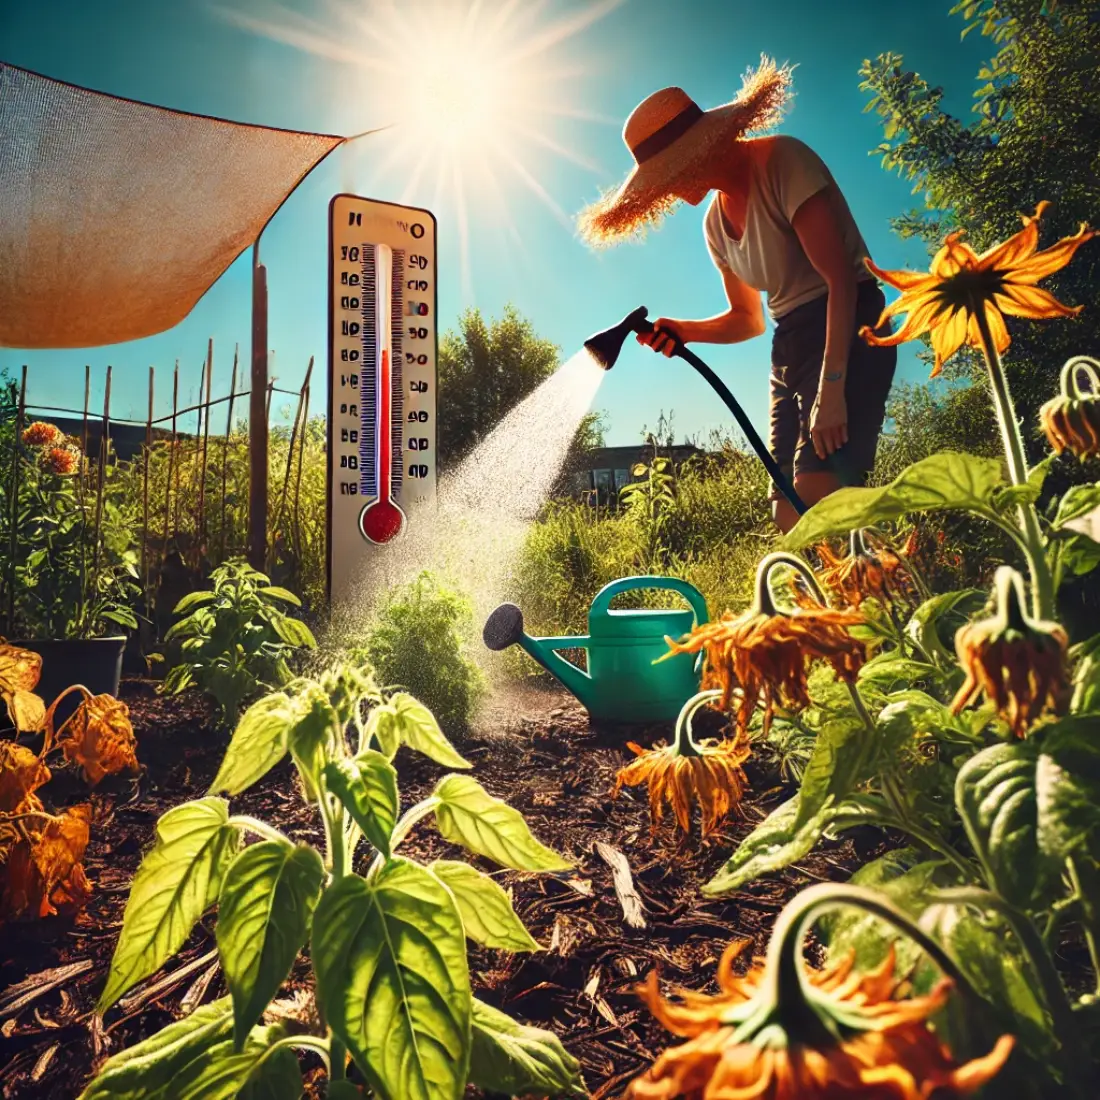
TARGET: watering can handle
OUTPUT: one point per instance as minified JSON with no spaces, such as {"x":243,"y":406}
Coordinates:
{"x":601,"y":605}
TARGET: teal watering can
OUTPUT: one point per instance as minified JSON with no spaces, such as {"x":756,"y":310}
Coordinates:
{"x":622,"y":684}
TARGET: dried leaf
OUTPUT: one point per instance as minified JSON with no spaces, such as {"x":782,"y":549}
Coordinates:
{"x":27,"y":710}
{"x":19,"y":672}
{"x":21,"y":774}
{"x":43,"y":873}
{"x":100,"y":738}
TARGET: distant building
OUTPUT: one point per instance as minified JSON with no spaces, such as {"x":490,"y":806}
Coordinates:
{"x":606,"y":470}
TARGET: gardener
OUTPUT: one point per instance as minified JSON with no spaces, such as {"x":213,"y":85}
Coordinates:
{"x":777,"y":223}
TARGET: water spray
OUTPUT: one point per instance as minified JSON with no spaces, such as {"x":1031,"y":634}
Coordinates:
{"x":605,"y":347}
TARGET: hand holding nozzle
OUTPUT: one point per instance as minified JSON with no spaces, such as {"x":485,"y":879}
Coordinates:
{"x":665,"y":337}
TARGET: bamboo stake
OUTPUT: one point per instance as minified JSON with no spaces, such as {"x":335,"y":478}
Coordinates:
{"x":177,"y":445}
{"x":225,"y":447}
{"x":104,"y":443}
{"x":81,"y":488}
{"x":145,"y":493}
{"x":200,"y":540}
{"x":171,"y":463}
{"x":298,"y":494}
{"x":290,"y":453}
{"x":14,"y":503}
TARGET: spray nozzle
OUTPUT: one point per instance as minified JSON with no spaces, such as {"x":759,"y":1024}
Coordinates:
{"x":605,"y":346}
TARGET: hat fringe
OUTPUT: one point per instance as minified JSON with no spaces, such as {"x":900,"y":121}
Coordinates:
{"x":764,"y":96}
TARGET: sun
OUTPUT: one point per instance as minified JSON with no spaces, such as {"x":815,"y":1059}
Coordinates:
{"x":471,"y":92}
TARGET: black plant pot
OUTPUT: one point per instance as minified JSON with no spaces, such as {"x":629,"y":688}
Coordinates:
{"x":94,"y":662}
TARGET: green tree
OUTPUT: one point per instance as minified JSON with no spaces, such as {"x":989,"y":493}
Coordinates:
{"x":1036,"y":136}
{"x":486,"y":368}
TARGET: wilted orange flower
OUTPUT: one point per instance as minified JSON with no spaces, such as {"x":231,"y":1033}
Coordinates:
{"x":864,"y":573}
{"x":883,"y":1046}
{"x":962,"y":286}
{"x":21,"y":774}
{"x":98,"y":736}
{"x":61,"y":460}
{"x":712,"y":777}
{"x":43,"y":873}
{"x":1018,"y":662}
{"x":19,"y":672}
{"x":39,"y":434}
{"x":1071,"y":419}
{"x":768,"y":656}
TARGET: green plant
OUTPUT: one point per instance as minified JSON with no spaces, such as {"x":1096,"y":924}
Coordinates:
{"x":985,"y":755}
{"x":75,"y":551}
{"x":649,"y":502}
{"x":234,"y":639}
{"x":386,"y":934}
{"x":418,"y":641}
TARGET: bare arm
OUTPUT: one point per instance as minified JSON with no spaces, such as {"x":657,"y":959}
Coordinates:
{"x":815,"y":223}
{"x":742,"y":321}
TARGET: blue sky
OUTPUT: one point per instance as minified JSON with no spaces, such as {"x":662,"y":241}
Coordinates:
{"x":188,"y":56}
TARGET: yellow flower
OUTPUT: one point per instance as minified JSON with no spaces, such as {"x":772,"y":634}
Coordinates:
{"x":881,"y":1048}
{"x":712,"y":776}
{"x":962,"y":286}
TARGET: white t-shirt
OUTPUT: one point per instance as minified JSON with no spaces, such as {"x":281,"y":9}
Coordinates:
{"x":769,"y":256}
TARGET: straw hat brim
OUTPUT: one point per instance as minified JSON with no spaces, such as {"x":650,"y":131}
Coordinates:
{"x":645,"y":197}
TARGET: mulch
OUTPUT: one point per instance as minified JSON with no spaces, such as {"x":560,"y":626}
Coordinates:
{"x":536,"y":749}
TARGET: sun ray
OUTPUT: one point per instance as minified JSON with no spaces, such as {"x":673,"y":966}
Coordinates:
{"x":467,"y":282}
{"x":556,"y":147}
{"x":536,"y":187}
{"x":563,"y":30}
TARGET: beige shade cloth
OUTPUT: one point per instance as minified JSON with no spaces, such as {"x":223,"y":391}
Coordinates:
{"x":116,"y":217}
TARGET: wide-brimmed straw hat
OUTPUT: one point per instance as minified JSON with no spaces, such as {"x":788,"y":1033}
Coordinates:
{"x":670,"y":136}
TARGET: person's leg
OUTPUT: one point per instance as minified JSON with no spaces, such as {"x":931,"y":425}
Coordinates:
{"x":811,"y":486}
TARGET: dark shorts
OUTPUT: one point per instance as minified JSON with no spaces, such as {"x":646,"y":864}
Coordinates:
{"x":798,"y":348}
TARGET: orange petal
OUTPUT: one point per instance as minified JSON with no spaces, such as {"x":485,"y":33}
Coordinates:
{"x":953,"y":257}
{"x":1023,"y":300}
{"x":947,"y":337}
{"x":1051,"y":259}
{"x":1015,"y":250}
{"x":997,"y":330}
{"x":900,"y":280}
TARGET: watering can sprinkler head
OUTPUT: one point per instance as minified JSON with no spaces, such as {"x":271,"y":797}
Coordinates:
{"x":503,"y":628}
{"x":605,"y":346}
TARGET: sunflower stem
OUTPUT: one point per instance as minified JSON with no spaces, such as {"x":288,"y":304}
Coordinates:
{"x":763,"y":598}
{"x":1041,"y":581}
{"x":683,"y":744}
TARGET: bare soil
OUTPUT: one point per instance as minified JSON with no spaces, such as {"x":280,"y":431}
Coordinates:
{"x":537,"y":750}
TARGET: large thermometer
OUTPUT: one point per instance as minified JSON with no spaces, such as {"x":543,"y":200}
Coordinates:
{"x":382,"y":374}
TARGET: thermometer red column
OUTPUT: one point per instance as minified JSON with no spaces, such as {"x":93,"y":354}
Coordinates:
{"x":382,"y":519}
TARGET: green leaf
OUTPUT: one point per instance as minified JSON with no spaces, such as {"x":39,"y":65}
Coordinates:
{"x":277,"y":1077}
{"x":1076,"y":504}
{"x":468,"y":815}
{"x":191,"y":601}
{"x":264,"y":912}
{"x":843,"y":756}
{"x":367,"y":788}
{"x":414,"y":725}
{"x":393,"y":982}
{"x":293,"y":631}
{"x":517,"y":1060}
{"x":175,"y":884}
{"x":225,"y":1073}
{"x":941,"y":481}
{"x":888,"y":668}
{"x":938,"y":611}
{"x":910,"y":885}
{"x":487,"y":913}
{"x":1086,"y":678}
{"x":996,"y":798}
{"x":1067,"y":783}
{"x":259,"y":742}
{"x":149,"y":1068}
{"x":274,"y":592}
{"x":775,"y":843}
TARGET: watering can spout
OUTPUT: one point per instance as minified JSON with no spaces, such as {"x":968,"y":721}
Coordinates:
{"x":504,"y":628}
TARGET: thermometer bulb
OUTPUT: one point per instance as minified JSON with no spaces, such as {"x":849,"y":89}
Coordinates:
{"x":382,"y":520}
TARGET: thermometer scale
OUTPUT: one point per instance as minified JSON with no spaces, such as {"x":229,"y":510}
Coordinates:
{"x":382,"y":376}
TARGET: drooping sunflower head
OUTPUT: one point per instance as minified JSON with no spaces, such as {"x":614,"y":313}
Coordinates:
{"x":866,"y":572}
{"x":40,"y":434}
{"x":964,"y":291}
{"x":1071,"y":420}
{"x":855,"y":1040}
{"x":1017,"y":662}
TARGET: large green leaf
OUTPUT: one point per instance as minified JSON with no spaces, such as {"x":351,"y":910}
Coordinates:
{"x":775,"y":843}
{"x":406,"y":721}
{"x":264,"y":912}
{"x":517,"y":1060}
{"x":468,"y":815}
{"x":946,"y":480}
{"x":1086,"y":677}
{"x":259,"y":742}
{"x":367,"y":787}
{"x":843,"y":756}
{"x":149,"y":1068}
{"x":996,"y":797}
{"x":393,"y":982}
{"x":1067,"y":783}
{"x":191,"y":601}
{"x":487,"y":913}
{"x":947,"y":610}
{"x":175,"y":884}
{"x":274,"y":592}
{"x":293,"y":631}
{"x":1079,"y":501}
